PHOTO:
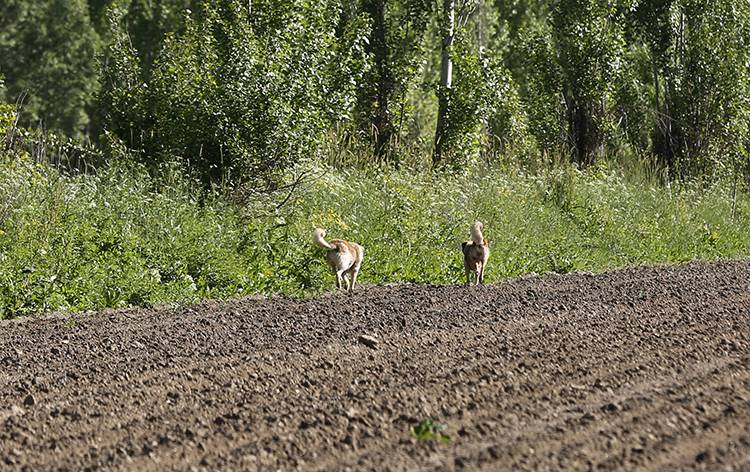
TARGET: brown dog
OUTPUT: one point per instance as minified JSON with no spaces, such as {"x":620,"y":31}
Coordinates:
{"x":344,"y":257}
{"x":476,"y":252}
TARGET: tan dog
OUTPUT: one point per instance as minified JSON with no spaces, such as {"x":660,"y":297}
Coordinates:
{"x":476,"y":252}
{"x":344,"y":257}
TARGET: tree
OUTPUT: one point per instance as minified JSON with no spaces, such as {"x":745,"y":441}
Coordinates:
{"x":148,"y":23}
{"x":239,"y":95}
{"x":447,"y":31}
{"x":701,"y":104}
{"x":48,"y":49}
{"x":447,"y":34}
{"x":518,"y":20}
{"x":397,"y":28}
{"x":589,"y":40}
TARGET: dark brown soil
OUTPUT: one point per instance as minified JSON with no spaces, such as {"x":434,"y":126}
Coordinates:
{"x":644,"y":368}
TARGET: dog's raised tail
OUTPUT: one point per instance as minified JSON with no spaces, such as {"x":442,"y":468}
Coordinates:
{"x":318,"y":236}
{"x":476,"y":233}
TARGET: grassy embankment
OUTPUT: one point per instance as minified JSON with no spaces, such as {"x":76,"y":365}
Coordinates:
{"x":121,"y":237}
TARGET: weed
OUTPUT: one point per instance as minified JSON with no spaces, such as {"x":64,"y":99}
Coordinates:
{"x":430,"y":430}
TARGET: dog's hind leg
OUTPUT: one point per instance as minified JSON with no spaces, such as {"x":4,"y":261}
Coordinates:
{"x":353,"y":272}
{"x":468,"y":274}
{"x":478,"y":277}
{"x":339,"y":279}
{"x":484,"y":265}
{"x":354,"y":269}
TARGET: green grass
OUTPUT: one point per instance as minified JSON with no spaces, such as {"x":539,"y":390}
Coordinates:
{"x":121,"y":238}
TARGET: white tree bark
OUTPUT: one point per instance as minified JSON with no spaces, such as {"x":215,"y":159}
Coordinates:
{"x":446,"y":71}
{"x":446,"y":76}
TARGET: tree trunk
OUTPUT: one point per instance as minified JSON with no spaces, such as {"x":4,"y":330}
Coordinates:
{"x":663,"y":142}
{"x":382,"y":127}
{"x":446,"y":78}
{"x":583,"y":133}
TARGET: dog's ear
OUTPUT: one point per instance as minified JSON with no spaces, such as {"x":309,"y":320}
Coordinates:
{"x":463,"y":246}
{"x":486,"y":242}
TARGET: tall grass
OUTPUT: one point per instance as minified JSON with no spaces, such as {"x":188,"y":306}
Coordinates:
{"x":120,"y":237}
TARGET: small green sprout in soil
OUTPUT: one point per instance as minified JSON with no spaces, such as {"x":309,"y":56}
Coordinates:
{"x":429,"y":430}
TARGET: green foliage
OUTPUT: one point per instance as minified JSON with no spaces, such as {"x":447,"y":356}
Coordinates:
{"x":394,"y":52}
{"x":7,"y":118}
{"x":240,"y":91}
{"x":463,"y":119}
{"x":238,"y":97}
{"x":74,"y":243}
{"x":702,"y":104}
{"x":589,"y":42}
{"x":485,"y":112}
{"x":542,"y":91}
{"x":430,"y":430}
{"x":714,"y":96}
{"x":507,"y":123}
{"x":124,"y":96}
{"x":148,"y":24}
{"x":48,"y":49}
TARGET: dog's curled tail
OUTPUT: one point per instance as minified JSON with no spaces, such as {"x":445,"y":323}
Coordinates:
{"x":476,"y":233}
{"x":318,"y":236}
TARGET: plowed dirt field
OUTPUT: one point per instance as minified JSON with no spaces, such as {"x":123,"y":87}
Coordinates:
{"x":645,"y":368}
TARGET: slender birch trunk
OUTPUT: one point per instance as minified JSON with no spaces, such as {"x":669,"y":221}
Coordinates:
{"x":446,"y":78}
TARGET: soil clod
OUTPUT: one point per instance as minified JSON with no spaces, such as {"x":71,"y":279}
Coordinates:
{"x":369,"y":341}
